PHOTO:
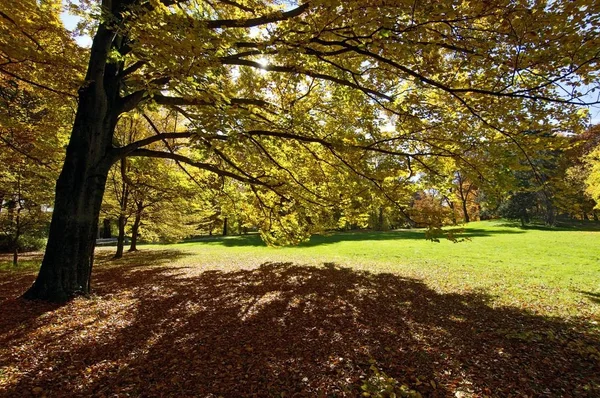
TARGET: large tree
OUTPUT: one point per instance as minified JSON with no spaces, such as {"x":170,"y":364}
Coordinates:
{"x":292,"y":101}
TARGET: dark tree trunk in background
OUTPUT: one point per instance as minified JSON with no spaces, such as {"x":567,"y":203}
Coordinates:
{"x":464,"y":196}
{"x":465,"y":211}
{"x":225,"y":226}
{"x":380,"y":219}
{"x":595,"y":215}
{"x":121,"y":237}
{"x":17,"y":237}
{"x":136,"y":226}
{"x":122,"y":222}
{"x":67,"y":264}
{"x":11,"y":206}
{"x":106,"y":234}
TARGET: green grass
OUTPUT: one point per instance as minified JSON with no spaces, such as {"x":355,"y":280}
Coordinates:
{"x":548,"y":271}
{"x":6,"y":264}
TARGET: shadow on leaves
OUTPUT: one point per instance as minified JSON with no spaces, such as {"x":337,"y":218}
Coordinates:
{"x":283,"y":329}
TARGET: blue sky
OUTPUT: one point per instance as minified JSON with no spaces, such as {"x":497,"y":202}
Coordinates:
{"x":70,"y":22}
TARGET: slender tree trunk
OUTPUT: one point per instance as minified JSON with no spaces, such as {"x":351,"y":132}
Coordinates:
{"x":225,"y":226}
{"x":380,"y":219}
{"x":16,"y":256}
{"x":451,"y":205}
{"x":121,"y":237}
{"x":66,"y":267}
{"x":465,"y":211}
{"x":17,"y":238}
{"x":106,"y":234}
{"x":136,"y":226}
{"x":11,"y":206}
{"x":464,"y":196}
{"x":18,"y":209}
{"x":122,"y":222}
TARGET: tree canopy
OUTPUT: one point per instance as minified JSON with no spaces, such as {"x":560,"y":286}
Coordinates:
{"x":311,"y":106}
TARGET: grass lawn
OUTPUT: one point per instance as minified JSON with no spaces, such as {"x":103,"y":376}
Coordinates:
{"x":507,"y":312}
{"x":548,"y":271}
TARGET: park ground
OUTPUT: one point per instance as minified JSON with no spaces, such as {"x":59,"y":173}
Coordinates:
{"x":505,"y":312}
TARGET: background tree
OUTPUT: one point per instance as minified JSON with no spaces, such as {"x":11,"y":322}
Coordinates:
{"x":592,"y":180}
{"x":575,"y":190}
{"x":33,"y":129}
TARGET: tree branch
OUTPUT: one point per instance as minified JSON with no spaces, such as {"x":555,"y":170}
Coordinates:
{"x":127,"y":149}
{"x":141,"y":152}
{"x":266,"y":19}
{"x":313,"y":74}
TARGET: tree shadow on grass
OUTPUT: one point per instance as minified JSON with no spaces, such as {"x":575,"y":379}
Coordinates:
{"x":362,"y":236}
{"x":561,"y":226}
{"x":593,"y":297}
{"x":289,"y":330}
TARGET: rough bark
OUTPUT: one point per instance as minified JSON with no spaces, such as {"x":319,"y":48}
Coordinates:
{"x":67,"y":263}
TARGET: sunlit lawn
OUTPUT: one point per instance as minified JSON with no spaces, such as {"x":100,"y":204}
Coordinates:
{"x":507,"y":312}
{"x":550,"y":271}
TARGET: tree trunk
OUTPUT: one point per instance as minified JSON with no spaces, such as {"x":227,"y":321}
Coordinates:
{"x":19,"y":207}
{"x":595,"y":215}
{"x":549,"y":213}
{"x":122,"y":222}
{"x":66,"y":267}
{"x":451,"y":206}
{"x":225,"y":226}
{"x":17,"y":238}
{"x":11,"y":206}
{"x":465,"y":211}
{"x":464,"y":196}
{"x":121,"y":237}
{"x":380,"y":219}
{"x":67,"y":264}
{"x":106,"y":234}
{"x":136,"y":227}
